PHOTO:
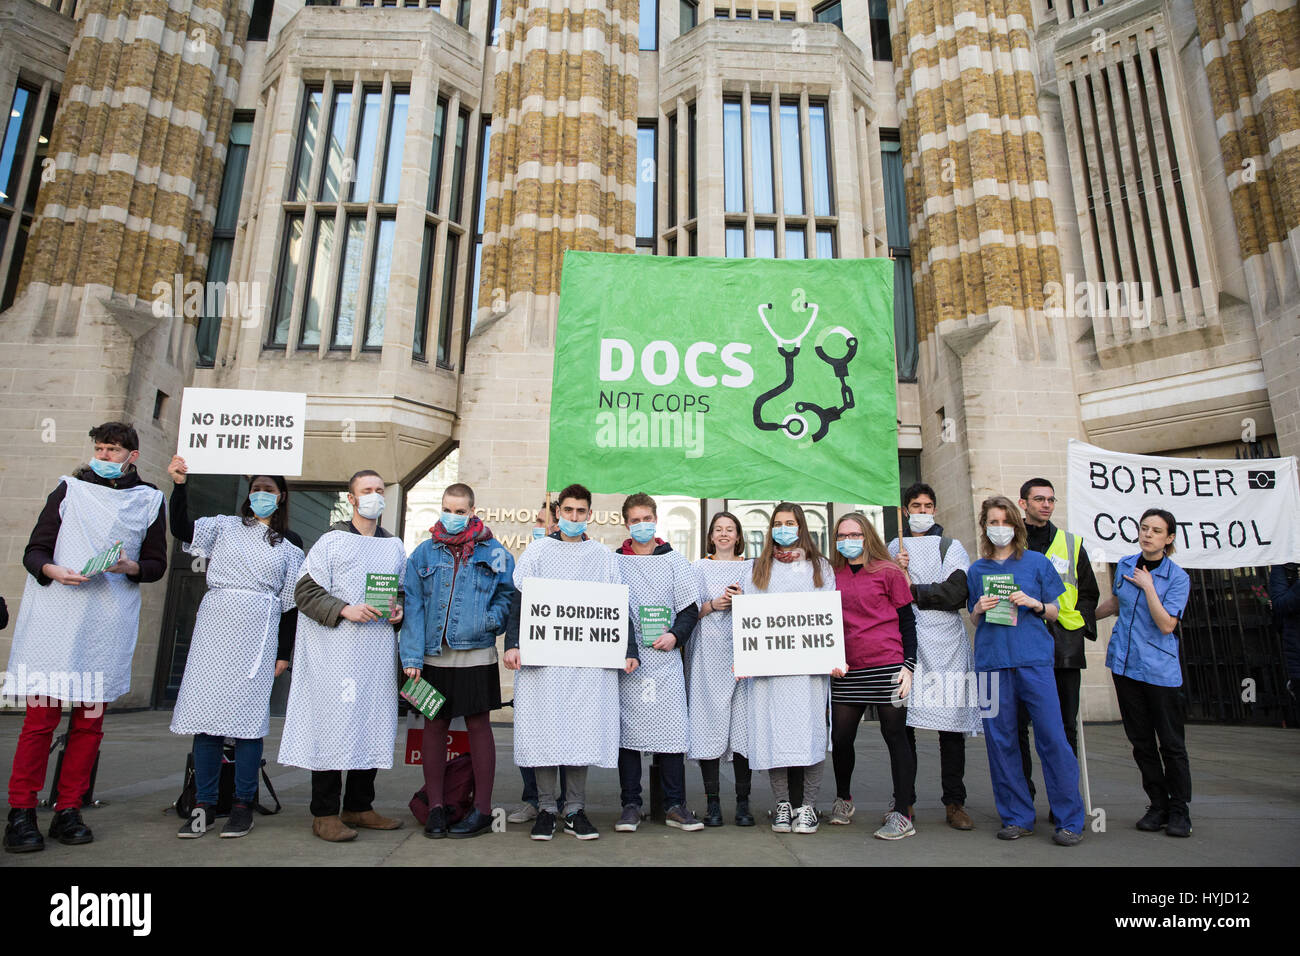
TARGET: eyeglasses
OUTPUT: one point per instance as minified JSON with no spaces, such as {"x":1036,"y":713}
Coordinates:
{"x":1039,"y":500}
{"x":849,"y":537}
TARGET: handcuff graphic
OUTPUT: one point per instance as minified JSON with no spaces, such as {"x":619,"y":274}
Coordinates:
{"x":796,"y":425}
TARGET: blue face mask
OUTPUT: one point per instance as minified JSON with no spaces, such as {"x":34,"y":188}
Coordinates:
{"x":643,"y":531}
{"x":454,"y":524}
{"x":784,"y":535}
{"x":107,"y":469}
{"x":539,"y":533}
{"x":849,"y":547}
{"x":263,"y":503}
{"x":574,"y":529}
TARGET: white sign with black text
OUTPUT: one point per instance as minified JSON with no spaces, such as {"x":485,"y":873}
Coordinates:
{"x":1229,"y":513}
{"x":573,"y":624}
{"x":236,"y":431}
{"x":790,"y":633}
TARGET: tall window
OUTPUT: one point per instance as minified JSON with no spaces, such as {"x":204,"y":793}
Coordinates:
{"x":672,"y":170}
{"x":905,"y":344}
{"x":480,"y":214}
{"x":787,"y":170}
{"x":829,"y":13}
{"x":462,"y":13}
{"x":22,"y":159}
{"x":648,"y":24}
{"x":349,"y":152}
{"x":688,"y":14}
{"x":646,"y":186}
{"x":223,"y":237}
{"x":437,"y":289}
{"x":878,"y":12}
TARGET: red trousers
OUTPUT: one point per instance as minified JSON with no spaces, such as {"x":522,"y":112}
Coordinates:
{"x":32,"y":756}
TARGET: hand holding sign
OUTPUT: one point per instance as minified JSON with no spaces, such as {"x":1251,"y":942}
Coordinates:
{"x":360,"y":613}
{"x":178,"y":470}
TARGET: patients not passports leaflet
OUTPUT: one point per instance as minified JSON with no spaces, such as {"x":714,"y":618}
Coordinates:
{"x":381,"y":592}
{"x":423,"y":696}
{"x":1001,"y":586}
{"x":103,"y":561}
{"x":655,"y":619}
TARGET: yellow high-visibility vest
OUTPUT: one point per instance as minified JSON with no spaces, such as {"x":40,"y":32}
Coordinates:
{"x":1064,"y":555}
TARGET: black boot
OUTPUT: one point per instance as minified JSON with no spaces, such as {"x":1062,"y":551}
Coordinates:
{"x":69,"y":829}
{"x":713,"y":815}
{"x":21,"y":832}
{"x":435,"y":827}
{"x":743,"y":817}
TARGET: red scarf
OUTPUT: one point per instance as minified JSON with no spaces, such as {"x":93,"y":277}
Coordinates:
{"x":462,"y":545}
{"x":788,"y":557}
{"x":627,"y":546}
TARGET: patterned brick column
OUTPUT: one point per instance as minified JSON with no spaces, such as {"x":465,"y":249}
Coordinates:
{"x":1252,"y":62}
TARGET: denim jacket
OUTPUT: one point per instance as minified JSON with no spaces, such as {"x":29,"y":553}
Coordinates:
{"x":474,"y":611}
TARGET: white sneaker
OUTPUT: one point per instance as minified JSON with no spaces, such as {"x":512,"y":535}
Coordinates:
{"x":781,"y":818}
{"x":524,"y":814}
{"x":842,"y":812}
{"x":805,"y":820}
{"x":897,"y":826}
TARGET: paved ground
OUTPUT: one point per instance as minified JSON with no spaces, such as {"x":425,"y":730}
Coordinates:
{"x":1247,"y":794}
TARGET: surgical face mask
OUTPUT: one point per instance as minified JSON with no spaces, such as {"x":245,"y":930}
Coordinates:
{"x":849,"y":547}
{"x":370,"y":506}
{"x":453,"y":523}
{"x":107,"y":469}
{"x":539,"y":533}
{"x":263,"y":503}
{"x":1001,"y":535}
{"x":574,"y":529}
{"x":643,"y":531}
{"x":785,"y":535}
{"x":920,"y":523}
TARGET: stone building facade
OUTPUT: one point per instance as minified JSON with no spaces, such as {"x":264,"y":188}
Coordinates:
{"x":1094,"y":212}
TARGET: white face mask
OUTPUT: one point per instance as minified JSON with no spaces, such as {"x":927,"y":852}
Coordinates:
{"x":1001,"y":535}
{"x":370,"y":506}
{"x":920,"y":523}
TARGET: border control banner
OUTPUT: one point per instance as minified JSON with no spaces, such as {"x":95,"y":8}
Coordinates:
{"x":1231,"y":513}
{"x":724,"y":378}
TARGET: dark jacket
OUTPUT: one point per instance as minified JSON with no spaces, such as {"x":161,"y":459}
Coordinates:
{"x":317,"y":603}
{"x":1284,"y":590}
{"x":1069,"y":644}
{"x":40,"y":546}
{"x":947,"y":595}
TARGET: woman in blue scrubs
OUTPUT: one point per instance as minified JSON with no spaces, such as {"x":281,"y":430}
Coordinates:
{"x":1149,"y":595}
{"x":1015,"y":667}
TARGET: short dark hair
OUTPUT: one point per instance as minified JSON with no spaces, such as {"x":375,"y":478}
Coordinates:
{"x":363,"y":473}
{"x":553,"y":507}
{"x":639,"y":500}
{"x":1171,"y":526}
{"x":575,"y":490}
{"x":460,"y":490}
{"x":1033,"y":483}
{"x":915,"y":490}
{"x":116,"y":433}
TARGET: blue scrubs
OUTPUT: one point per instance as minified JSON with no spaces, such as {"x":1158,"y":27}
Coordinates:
{"x":1015,"y":667}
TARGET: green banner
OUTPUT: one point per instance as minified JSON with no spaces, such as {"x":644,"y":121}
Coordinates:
{"x":726,"y":378}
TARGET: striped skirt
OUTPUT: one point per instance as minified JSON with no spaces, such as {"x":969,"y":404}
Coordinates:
{"x":867,"y":685}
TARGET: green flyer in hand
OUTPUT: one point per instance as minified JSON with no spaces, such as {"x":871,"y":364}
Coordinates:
{"x":423,"y":696}
{"x":381,"y":593}
{"x":103,"y":561}
{"x":654,"y":621}
{"x":1001,"y":586}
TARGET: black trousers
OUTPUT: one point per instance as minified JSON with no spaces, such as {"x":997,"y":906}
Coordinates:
{"x":709,"y":770}
{"x":952,"y":764}
{"x":845,"y":719}
{"x":1152,"y":714}
{"x":1068,"y":681}
{"x":326,"y":785}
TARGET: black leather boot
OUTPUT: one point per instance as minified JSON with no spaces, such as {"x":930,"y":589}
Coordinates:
{"x":743,"y":817}
{"x":69,"y":829}
{"x":22,"y":835}
{"x":713,"y":815}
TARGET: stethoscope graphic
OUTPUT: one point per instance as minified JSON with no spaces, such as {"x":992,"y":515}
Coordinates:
{"x":796,"y":425}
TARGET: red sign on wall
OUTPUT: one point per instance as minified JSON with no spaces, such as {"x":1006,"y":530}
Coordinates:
{"x":457,"y":744}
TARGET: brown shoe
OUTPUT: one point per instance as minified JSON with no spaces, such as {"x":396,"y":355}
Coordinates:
{"x":332,"y":830}
{"x":958,"y":818}
{"x":369,"y":820}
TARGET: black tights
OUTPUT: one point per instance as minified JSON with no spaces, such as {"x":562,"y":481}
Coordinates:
{"x":845,"y":719}
{"x":709,"y":771}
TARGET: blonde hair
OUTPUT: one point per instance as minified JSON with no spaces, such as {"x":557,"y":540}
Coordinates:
{"x":873,"y":546}
{"x":1021,"y":540}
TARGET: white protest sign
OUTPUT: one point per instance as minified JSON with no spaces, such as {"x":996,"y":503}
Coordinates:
{"x":1229,"y":513}
{"x":792,"y":633}
{"x":573,"y":624}
{"x":235,"y":431}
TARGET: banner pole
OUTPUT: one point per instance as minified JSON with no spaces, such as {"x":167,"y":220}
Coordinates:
{"x":1083,"y":762}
